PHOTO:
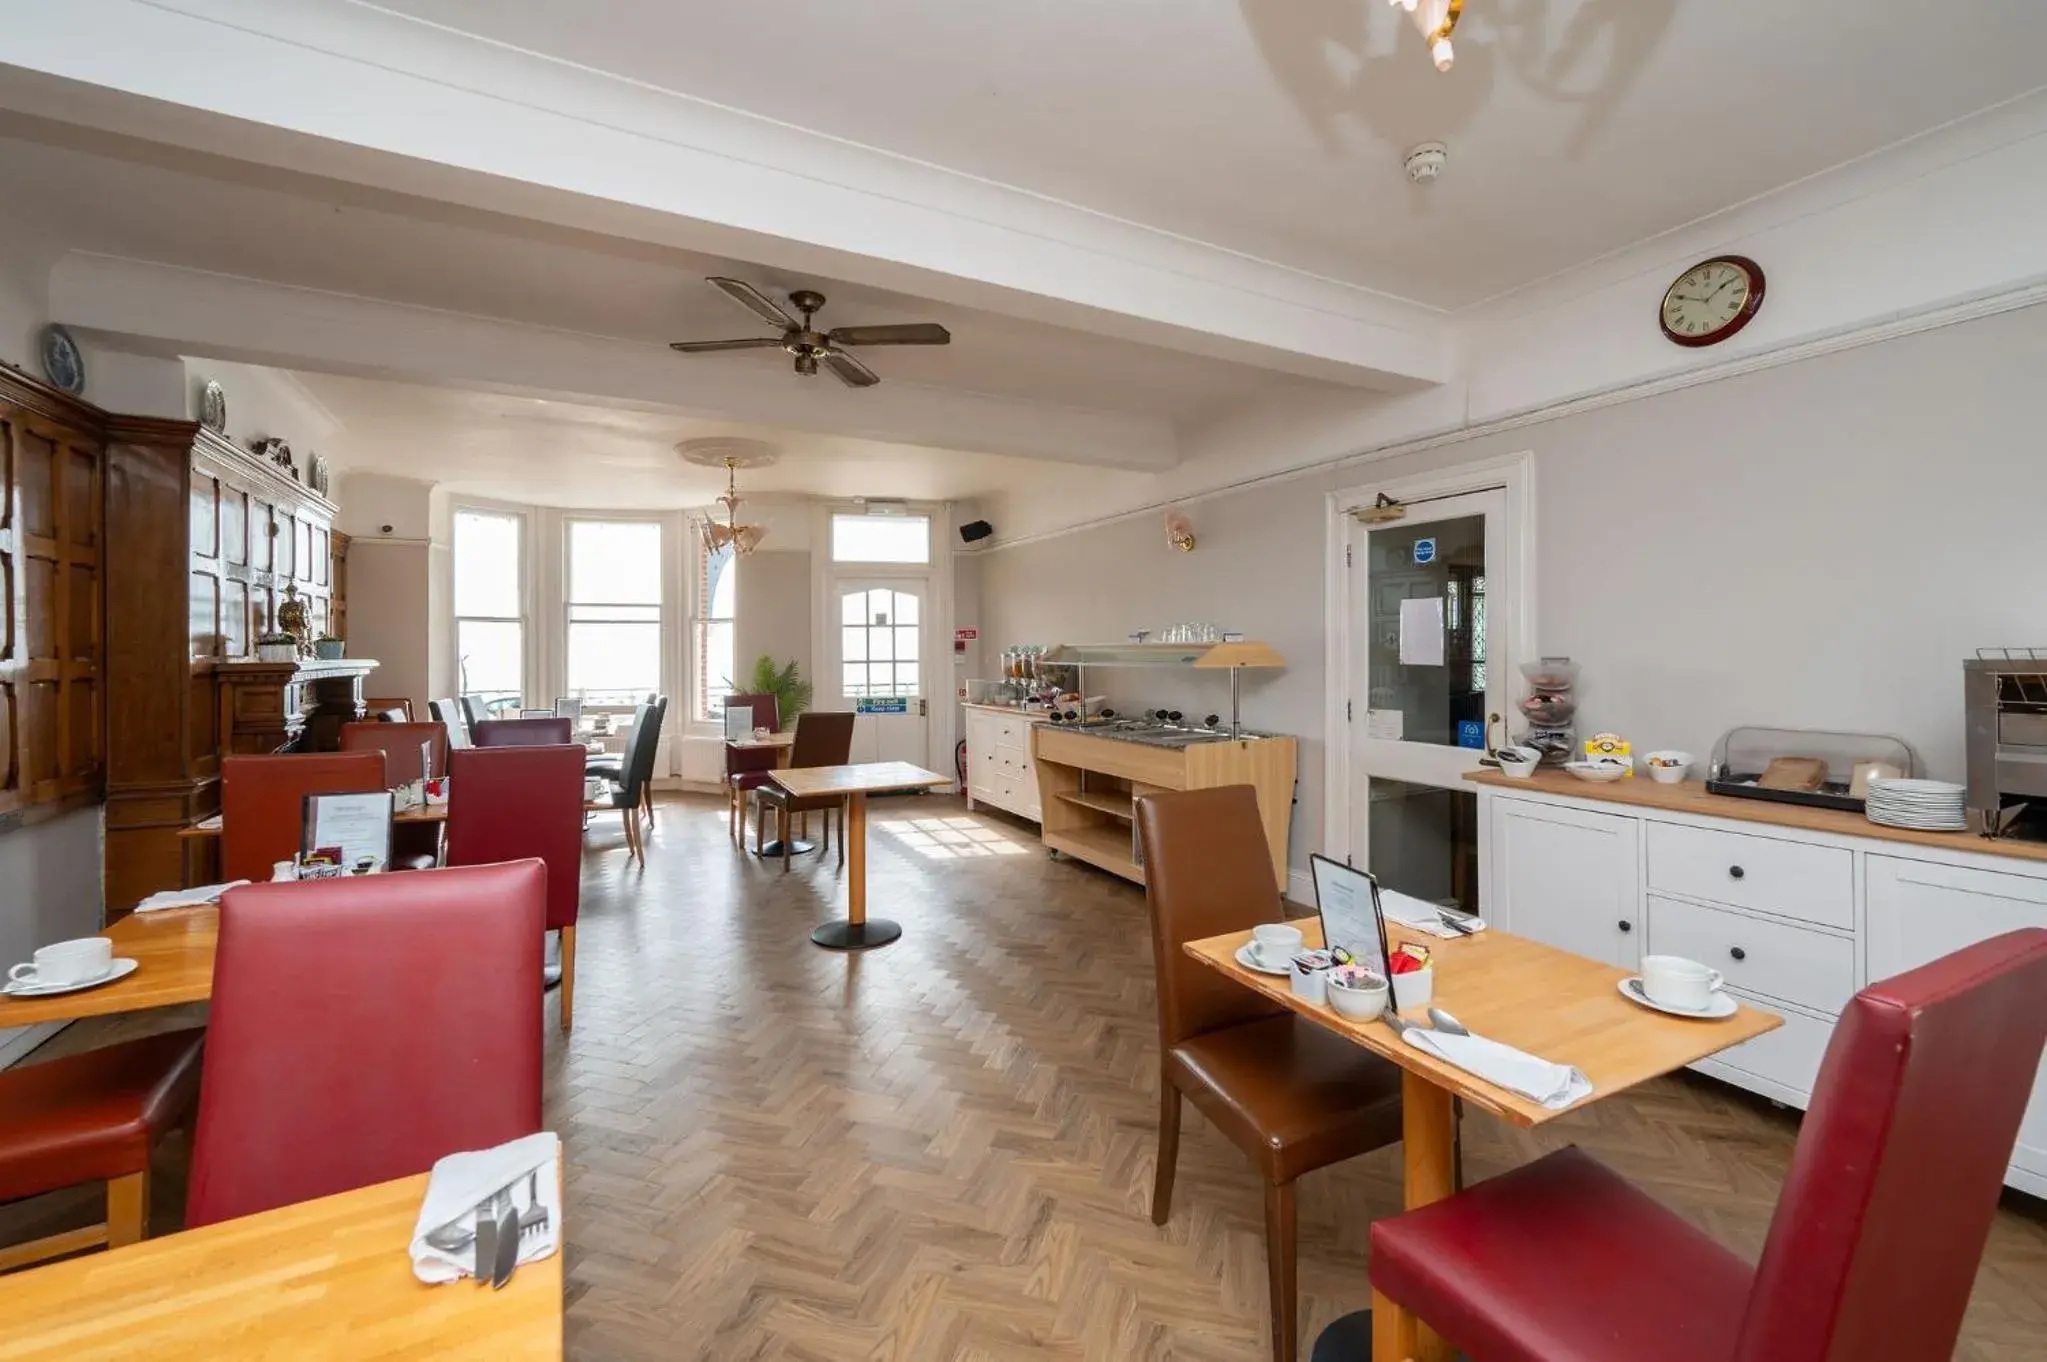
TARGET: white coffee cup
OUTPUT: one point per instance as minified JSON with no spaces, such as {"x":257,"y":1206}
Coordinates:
{"x":66,"y":962}
{"x":1677,"y":982}
{"x":1275,"y":944}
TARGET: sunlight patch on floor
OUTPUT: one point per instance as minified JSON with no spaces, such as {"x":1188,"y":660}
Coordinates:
{"x":951,"y":839}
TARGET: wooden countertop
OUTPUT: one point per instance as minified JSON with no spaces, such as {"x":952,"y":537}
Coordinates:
{"x":1691,"y":797}
{"x":870,"y":777}
{"x":995,"y":708}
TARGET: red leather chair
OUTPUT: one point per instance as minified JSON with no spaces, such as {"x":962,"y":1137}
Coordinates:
{"x":1877,"y":1235}
{"x":400,"y":745}
{"x":746,"y":768}
{"x":262,"y":803}
{"x":364,"y":1027}
{"x":93,"y":1117}
{"x":523,"y":732}
{"x":509,"y":802}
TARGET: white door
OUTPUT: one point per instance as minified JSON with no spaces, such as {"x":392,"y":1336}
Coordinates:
{"x":881,"y":645}
{"x":1428,"y":635}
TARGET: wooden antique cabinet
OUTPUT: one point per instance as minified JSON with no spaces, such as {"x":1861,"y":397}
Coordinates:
{"x":52,"y":628}
{"x":209,"y":537}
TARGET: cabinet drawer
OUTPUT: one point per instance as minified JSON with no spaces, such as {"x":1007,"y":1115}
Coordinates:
{"x":1769,"y":958}
{"x":1787,"y":1060}
{"x":1014,"y":732}
{"x":1768,"y":874}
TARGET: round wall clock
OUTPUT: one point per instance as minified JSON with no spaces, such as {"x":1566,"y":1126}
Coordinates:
{"x":1712,"y":300}
{"x":62,"y":364}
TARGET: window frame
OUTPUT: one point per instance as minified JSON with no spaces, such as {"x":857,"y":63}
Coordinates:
{"x":523,"y":519}
{"x":701,"y":620}
{"x":568,"y":601}
{"x":883,"y":566}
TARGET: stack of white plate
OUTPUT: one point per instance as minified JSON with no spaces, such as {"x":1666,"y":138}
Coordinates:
{"x":1928,"y":805}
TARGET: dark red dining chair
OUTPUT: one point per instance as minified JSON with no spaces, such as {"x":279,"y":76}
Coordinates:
{"x":523,"y":732}
{"x":509,"y":802}
{"x":746,"y":768}
{"x":262,"y":803}
{"x":364,"y":1027}
{"x":1877,"y":1235}
{"x":400,"y":745}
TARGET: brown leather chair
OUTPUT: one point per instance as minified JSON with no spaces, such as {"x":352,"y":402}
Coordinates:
{"x":823,"y":738}
{"x":93,"y":1117}
{"x":1293,"y":1096}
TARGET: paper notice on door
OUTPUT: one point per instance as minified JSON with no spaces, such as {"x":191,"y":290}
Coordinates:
{"x":1384,"y":724}
{"x":1421,"y":632}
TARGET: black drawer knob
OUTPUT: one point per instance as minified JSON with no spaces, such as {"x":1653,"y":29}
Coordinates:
{"x":1735,"y":872}
{"x":1738,"y":953}
{"x":1626,"y":925}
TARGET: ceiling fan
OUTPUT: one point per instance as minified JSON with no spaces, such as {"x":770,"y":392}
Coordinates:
{"x":810,"y":346}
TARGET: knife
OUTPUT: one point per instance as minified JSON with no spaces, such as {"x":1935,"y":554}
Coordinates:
{"x":507,"y":1247}
{"x":486,"y":1244}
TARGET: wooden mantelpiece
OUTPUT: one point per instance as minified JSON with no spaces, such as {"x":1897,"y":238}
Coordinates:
{"x":300,"y":706}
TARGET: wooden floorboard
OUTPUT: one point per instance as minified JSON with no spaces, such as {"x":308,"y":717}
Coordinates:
{"x":942,"y":1151}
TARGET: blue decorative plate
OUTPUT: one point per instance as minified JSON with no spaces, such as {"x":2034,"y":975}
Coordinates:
{"x":62,"y":364}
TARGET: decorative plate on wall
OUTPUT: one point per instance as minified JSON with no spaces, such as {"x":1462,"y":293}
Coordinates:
{"x":62,"y":364}
{"x":213,"y":408}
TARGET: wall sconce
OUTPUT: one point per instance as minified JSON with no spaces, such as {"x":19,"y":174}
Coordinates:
{"x":1179,"y":533}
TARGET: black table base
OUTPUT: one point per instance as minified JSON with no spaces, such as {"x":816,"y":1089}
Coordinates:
{"x":1347,"y":1340}
{"x":773,"y":850}
{"x":856,"y":936}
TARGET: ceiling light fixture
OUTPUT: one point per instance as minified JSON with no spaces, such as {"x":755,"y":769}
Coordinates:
{"x":743,"y":539}
{"x":1435,"y":19}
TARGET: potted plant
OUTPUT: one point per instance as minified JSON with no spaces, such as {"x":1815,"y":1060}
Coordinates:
{"x":785,"y":682}
{"x":276,"y":646}
{"x":329,"y":648}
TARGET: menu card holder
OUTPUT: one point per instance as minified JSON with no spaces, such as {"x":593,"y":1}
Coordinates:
{"x":1352,"y":918}
{"x":345,"y":834}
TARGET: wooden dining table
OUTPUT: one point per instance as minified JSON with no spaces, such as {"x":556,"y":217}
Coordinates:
{"x":1550,"y":1003}
{"x":324,"y":1279}
{"x":856,"y":931}
{"x":212,"y":825}
{"x":173,"y":952}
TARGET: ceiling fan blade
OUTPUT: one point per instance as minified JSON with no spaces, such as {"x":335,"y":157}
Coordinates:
{"x":744,"y":343}
{"x":848,"y":370}
{"x":908,"y":333}
{"x":754,"y":301}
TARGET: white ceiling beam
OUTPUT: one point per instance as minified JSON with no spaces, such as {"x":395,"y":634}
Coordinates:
{"x":356,"y":93}
{"x":174,"y":310}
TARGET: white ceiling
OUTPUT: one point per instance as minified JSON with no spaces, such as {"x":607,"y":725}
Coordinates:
{"x":528,"y":449}
{"x":1276,"y":127}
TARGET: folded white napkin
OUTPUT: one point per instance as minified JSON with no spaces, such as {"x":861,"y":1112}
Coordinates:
{"x":1412,"y":912}
{"x":1555,"y":1086}
{"x":459,"y":1182}
{"x":187,"y":898}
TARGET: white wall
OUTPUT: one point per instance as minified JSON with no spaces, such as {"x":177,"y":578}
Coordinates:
{"x":1813,"y":545}
{"x":25,"y":261}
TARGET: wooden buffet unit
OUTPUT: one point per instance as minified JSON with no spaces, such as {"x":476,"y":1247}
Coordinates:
{"x":1089,"y":779}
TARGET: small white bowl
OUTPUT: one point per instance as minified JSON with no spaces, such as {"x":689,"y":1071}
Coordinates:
{"x":1598,"y":772}
{"x":1672,"y":774}
{"x":1359,"y":1002}
{"x":1518,"y":763}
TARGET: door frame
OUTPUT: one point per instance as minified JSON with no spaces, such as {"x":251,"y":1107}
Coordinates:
{"x":1513,"y":474}
{"x":934,"y":576}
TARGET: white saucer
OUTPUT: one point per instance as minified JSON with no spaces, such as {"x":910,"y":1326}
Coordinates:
{"x":120,"y":969}
{"x":1248,"y":960}
{"x":1723,"y":1006}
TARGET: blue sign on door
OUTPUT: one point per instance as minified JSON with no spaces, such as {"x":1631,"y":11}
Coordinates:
{"x":1471,"y":733}
{"x":1424,"y":550}
{"x":882,"y":704}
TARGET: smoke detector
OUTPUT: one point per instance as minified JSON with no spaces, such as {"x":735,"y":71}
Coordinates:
{"x":1426,"y":161}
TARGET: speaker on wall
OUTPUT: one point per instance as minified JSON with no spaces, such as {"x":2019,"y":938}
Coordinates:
{"x":976,"y":530}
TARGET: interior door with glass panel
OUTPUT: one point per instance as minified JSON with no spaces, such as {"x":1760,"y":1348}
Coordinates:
{"x":881,"y":668}
{"x":1427,"y":691}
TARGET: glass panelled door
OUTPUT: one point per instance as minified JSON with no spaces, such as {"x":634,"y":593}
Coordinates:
{"x":881,"y":668}
{"x":1428,"y":695}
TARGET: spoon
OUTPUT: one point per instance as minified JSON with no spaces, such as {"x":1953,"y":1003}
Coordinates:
{"x":1446,"y":1023}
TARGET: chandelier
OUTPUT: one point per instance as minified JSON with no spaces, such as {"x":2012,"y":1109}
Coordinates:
{"x":1435,"y":19}
{"x":743,"y":539}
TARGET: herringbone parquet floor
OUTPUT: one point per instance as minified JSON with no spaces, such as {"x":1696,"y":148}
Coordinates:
{"x":942,"y":1151}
